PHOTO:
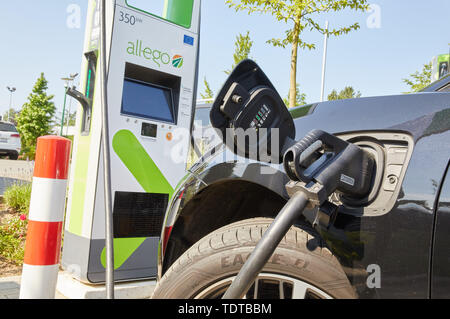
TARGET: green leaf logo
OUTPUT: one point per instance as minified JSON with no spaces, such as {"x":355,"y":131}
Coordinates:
{"x":177,"y":61}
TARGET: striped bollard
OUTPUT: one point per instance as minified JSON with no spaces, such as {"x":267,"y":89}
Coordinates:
{"x":45,"y":223}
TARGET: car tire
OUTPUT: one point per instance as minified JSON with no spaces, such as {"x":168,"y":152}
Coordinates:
{"x":13,"y":156}
{"x":301,"y":256}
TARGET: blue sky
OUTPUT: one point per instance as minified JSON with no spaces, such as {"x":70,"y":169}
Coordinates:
{"x":35,"y":38}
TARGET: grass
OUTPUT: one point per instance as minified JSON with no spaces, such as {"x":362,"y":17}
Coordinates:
{"x":13,"y":230}
{"x":17,"y":197}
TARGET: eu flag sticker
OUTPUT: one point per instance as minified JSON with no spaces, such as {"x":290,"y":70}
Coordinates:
{"x":188,"y":40}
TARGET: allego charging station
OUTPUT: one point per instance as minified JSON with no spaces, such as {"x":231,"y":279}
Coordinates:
{"x":152,"y":65}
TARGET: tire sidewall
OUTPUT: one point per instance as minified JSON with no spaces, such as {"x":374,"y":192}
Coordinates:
{"x":212,"y":260}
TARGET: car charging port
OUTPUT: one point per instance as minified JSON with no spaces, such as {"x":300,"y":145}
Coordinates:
{"x":336,"y":164}
{"x":377,"y":152}
{"x":319,"y":165}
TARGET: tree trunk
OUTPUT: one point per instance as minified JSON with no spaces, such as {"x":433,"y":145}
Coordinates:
{"x":294,"y":58}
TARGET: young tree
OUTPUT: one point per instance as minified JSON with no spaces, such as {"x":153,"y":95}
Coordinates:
{"x":73,"y":118}
{"x":208,"y":94}
{"x":420,"y":80}
{"x":243,"y":46}
{"x":300,"y":99}
{"x":35,"y":118}
{"x":301,"y":16}
{"x":347,"y":93}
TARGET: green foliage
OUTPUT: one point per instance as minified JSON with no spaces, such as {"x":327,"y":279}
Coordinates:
{"x":243,"y":46}
{"x":17,"y":197}
{"x":35,"y":118}
{"x":28,"y":152}
{"x":420,"y":80}
{"x":208,"y":94}
{"x":13,"y":232}
{"x":301,"y":15}
{"x":72,"y":119}
{"x":12,"y":239}
{"x":347,"y":93}
{"x":300,"y":99}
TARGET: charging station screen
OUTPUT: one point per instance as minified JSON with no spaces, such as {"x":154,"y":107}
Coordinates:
{"x":147,"y":101}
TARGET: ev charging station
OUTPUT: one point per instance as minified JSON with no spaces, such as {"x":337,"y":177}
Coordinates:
{"x":152,"y":65}
{"x":440,"y":66}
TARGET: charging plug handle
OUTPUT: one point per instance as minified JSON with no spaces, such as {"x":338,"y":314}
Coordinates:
{"x":332,"y":162}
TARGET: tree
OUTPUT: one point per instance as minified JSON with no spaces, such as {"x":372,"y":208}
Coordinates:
{"x":301,"y":15}
{"x":420,"y":80}
{"x":72,"y":117}
{"x":208,"y":94}
{"x":347,"y":93}
{"x":35,"y":118}
{"x":300,"y":97}
{"x":243,"y":46}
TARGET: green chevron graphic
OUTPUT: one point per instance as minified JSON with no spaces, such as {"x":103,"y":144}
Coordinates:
{"x":149,"y":176}
{"x":140,"y":164}
{"x":123,"y":249}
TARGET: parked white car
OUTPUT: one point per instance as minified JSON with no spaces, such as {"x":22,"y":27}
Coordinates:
{"x":10,"y":144}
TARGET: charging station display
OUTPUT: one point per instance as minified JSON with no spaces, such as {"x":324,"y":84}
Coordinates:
{"x":147,"y":101}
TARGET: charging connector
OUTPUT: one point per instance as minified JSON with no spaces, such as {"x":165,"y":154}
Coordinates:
{"x":318,"y":165}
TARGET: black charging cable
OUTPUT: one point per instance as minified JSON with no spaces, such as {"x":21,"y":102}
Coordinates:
{"x":318,"y":165}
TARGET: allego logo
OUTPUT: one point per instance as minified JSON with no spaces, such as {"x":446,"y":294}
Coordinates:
{"x":158,"y":57}
{"x":177,"y":61}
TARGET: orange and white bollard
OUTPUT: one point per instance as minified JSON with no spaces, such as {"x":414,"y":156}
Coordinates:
{"x":45,"y":224}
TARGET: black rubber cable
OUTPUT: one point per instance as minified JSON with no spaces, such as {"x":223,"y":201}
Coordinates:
{"x":266,"y":246}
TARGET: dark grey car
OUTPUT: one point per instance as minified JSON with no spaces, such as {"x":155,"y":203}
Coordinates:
{"x":394,"y":245}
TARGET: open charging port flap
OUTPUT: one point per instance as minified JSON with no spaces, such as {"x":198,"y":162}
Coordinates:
{"x":252,"y":118}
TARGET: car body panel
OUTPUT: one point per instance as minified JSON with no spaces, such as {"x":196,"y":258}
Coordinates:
{"x":441,"y":85}
{"x":398,"y":242}
{"x":440,"y":271}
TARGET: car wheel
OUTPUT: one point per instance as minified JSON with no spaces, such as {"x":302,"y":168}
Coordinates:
{"x":13,"y":156}
{"x":301,"y":266}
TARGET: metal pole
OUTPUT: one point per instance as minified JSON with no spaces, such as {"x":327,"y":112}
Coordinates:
{"x":68,"y":117}
{"x":109,"y":240}
{"x":64,"y":109}
{"x":324,"y":63}
{"x":10,"y":106}
{"x":11,"y":91}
